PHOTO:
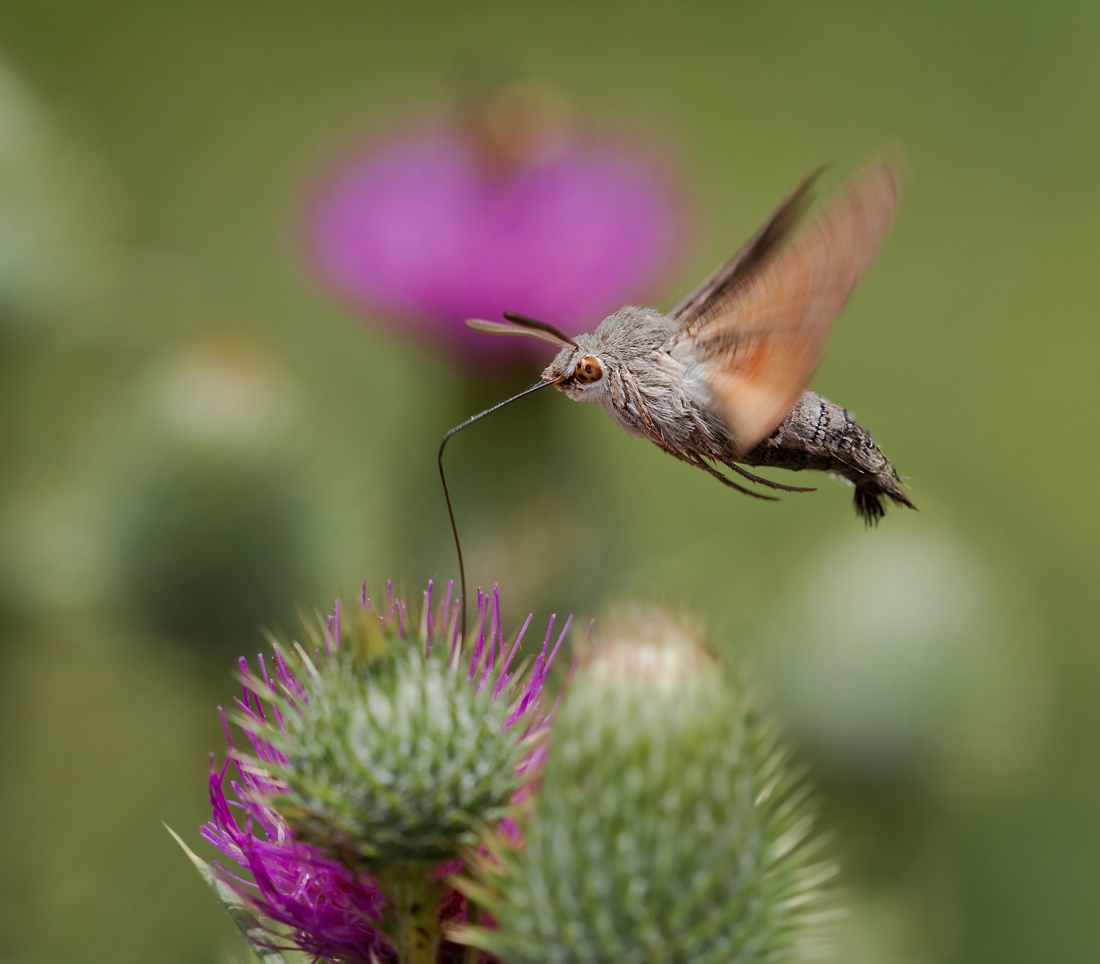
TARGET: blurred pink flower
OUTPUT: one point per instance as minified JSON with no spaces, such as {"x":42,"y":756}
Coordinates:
{"x":422,"y":230}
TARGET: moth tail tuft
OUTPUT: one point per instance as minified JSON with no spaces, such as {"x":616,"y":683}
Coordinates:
{"x":868,"y":505}
{"x":869,"y":493}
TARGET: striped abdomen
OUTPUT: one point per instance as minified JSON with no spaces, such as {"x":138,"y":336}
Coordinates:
{"x":821,"y":436}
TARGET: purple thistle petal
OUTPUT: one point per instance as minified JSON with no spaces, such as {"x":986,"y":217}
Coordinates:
{"x":290,"y":684}
{"x":263,"y":670}
{"x":276,"y":712}
{"x":225,"y":730}
{"x":429,"y":627}
{"x":447,"y":605}
{"x":504,"y":677}
{"x":482,"y":612}
{"x":529,"y":694}
{"x":455,"y":628}
{"x":242,"y":665}
{"x":494,"y":632}
{"x":456,"y":639}
{"x":328,"y":910}
{"x":546,"y":641}
{"x":557,"y":646}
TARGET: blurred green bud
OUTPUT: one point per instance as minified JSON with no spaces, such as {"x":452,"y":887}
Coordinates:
{"x":56,"y":217}
{"x":667,"y":826}
{"x":909,"y":660}
{"x":213,"y":531}
{"x":213,"y":543}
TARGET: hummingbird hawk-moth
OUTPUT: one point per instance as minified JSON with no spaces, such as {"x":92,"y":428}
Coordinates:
{"x":721,"y":378}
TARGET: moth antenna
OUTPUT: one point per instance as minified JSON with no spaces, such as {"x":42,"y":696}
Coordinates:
{"x":447,"y":495}
{"x":517,"y":319}
{"x":522,"y":325}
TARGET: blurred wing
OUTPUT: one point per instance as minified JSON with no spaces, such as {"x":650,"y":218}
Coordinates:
{"x":762,"y":336}
{"x":752,"y":254}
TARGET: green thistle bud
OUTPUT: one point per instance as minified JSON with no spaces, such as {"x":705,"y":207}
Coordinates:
{"x":666,"y":828}
{"x":392,"y":758}
{"x":385,"y":751}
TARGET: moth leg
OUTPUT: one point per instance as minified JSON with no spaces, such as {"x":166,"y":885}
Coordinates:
{"x":706,"y":467}
{"x":697,"y":461}
{"x":705,"y":432}
{"x":693,"y":458}
{"x":768,"y":482}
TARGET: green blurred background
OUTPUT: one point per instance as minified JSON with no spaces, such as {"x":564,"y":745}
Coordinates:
{"x":938,"y":674}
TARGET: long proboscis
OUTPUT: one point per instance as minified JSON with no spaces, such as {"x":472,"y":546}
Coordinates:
{"x":447,"y":495}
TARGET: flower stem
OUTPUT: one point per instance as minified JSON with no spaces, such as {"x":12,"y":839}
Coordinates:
{"x":412,"y":897}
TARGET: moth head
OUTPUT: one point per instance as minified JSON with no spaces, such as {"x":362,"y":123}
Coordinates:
{"x":573,"y":370}
{"x":579,"y":371}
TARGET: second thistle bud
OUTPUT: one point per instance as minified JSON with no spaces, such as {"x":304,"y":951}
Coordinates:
{"x":666,"y":827}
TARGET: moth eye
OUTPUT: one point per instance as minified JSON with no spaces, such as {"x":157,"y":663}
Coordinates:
{"x":588,"y":370}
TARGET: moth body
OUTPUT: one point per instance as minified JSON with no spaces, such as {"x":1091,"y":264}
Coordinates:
{"x":657,"y":388}
{"x":819,"y":435}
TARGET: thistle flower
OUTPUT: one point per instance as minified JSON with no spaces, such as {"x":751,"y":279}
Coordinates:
{"x":437,"y":226}
{"x":666,"y":827}
{"x":334,"y":841}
